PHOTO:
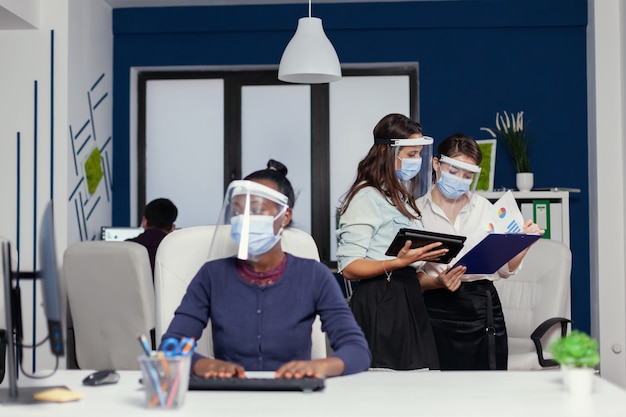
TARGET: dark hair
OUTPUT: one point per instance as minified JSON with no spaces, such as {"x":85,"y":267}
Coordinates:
{"x":378,"y":168}
{"x":276,"y":172}
{"x":460,"y":144}
{"x":161,"y":214}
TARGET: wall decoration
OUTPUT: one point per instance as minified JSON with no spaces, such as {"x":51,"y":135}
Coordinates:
{"x":90,"y":144}
{"x":485,"y":180}
{"x":93,"y":170}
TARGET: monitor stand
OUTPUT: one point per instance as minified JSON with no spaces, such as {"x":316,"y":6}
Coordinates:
{"x":22,"y":395}
{"x":13,"y":394}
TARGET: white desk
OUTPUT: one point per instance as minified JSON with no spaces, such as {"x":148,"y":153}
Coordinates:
{"x":501,"y":394}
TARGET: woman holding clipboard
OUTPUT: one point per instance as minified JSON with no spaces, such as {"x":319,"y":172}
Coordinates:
{"x":466,"y":318}
{"x":388,"y":303}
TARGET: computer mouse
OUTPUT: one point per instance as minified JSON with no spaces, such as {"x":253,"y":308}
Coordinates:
{"x":107,"y":376}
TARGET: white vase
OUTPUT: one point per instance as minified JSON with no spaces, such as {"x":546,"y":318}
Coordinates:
{"x":578,"y":381}
{"x":524,"y":181}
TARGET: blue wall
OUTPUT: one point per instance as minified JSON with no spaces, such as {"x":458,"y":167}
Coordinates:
{"x":476,"y":57}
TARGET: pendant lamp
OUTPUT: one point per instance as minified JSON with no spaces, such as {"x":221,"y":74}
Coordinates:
{"x":309,"y":58}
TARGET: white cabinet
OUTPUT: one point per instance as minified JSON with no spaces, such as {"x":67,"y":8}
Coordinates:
{"x":557,"y":206}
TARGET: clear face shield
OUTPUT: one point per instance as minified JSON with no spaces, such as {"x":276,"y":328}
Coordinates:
{"x":413,"y":158}
{"x":250,"y":222}
{"x":455,"y":177}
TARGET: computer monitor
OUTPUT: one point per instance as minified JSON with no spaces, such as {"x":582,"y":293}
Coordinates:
{"x":51,"y":282}
{"x":54,"y":301}
{"x":119,"y":233}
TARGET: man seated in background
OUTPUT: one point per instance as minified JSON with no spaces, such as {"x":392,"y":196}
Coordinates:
{"x":158,"y":220}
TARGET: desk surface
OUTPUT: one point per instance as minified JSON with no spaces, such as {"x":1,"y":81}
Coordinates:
{"x":374,"y":393}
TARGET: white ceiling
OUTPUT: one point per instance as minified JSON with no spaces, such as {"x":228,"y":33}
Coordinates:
{"x":9,"y":20}
{"x":165,"y":3}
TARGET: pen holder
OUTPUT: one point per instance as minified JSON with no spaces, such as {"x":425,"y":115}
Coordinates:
{"x":165,"y":379}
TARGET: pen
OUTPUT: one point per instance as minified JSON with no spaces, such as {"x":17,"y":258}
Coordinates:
{"x":165,"y":366}
{"x":159,"y":397}
{"x":173,"y":391}
{"x":143,"y":340}
{"x":155,"y":374}
{"x":164,"y":369}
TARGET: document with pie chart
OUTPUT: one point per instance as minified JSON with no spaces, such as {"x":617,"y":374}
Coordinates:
{"x":506,"y":241}
{"x":508,"y":217}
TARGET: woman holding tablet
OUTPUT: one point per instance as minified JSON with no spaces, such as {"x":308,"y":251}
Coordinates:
{"x":467,"y":321}
{"x":388,"y":303}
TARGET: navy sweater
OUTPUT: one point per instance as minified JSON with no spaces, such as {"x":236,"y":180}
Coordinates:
{"x":262,"y":328}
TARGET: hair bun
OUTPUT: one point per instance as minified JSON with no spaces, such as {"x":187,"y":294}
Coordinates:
{"x":273,"y":165}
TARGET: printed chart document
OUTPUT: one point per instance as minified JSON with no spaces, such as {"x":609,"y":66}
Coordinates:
{"x":509,"y":218}
{"x":495,"y":250}
{"x":503,"y":244}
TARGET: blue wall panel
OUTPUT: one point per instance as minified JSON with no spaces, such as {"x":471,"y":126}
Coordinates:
{"x":476,"y":57}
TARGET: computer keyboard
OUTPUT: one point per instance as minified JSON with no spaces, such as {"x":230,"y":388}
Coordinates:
{"x":256,"y":384}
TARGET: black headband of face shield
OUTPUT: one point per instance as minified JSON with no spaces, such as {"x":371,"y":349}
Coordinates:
{"x":382,"y":141}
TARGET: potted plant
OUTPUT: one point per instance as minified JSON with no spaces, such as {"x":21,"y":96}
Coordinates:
{"x":511,"y":128}
{"x":577,"y":353}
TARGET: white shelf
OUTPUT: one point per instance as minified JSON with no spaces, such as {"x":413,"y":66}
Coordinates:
{"x":559,"y":208}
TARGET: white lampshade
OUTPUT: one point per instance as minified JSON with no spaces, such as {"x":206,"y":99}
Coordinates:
{"x":309,"y":58}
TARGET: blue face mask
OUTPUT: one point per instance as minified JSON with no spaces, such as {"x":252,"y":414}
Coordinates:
{"x":451,"y":186}
{"x":409,"y":169}
{"x":261,"y":237}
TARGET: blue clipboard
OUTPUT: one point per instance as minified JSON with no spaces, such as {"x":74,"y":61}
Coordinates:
{"x":495,"y":250}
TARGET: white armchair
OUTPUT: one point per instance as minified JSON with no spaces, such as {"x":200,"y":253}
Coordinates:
{"x":536,"y":304}
{"x":183,"y":252}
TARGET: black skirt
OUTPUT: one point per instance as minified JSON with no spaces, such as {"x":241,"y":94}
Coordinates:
{"x":394,"y":320}
{"x":467,"y":336}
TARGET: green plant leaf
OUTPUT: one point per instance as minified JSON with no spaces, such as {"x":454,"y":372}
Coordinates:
{"x":577,"y":349}
{"x":512,"y":130}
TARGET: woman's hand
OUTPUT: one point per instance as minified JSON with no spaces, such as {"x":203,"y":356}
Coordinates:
{"x":531,"y":227}
{"x":316,"y":368}
{"x":430,"y":252}
{"x":211,"y":368}
{"x":451,"y":278}
{"x":528,"y":227}
{"x":448,"y":278}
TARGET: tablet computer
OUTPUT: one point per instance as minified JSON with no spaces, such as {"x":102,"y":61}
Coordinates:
{"x":496,"y":249}
{"x":420,"y":238}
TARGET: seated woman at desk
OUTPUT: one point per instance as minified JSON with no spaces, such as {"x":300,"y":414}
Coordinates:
{"x":262,"y":302}
{"x":466,"y":316}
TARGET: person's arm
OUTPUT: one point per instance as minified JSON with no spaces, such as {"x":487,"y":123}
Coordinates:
{"x":351,"y":352}
{"x":191,"y":316}
{"x":315,"y":368}
{"x":516,"y":262}
{"x":215,"y":368}
{"x":369,"y":268}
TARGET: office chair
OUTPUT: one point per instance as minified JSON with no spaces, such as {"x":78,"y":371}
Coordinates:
{"x":536,"y":304}
{"x":111,"y":299}
{"x":183,"y":252}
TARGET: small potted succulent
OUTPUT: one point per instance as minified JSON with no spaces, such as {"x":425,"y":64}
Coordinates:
{"x":577,"y":353}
